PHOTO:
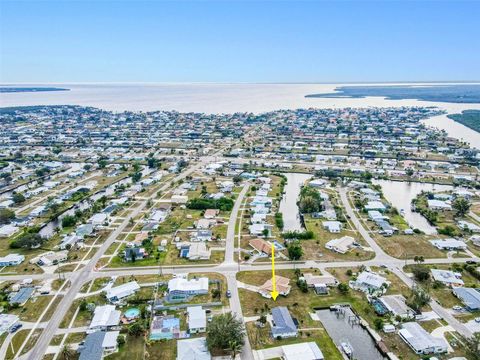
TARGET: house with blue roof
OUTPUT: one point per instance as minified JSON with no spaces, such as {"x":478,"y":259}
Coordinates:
{"x":469,"y":296}
{"x":21,"y":296}
{"x":165,"y":328}
{"x":283,"y":325}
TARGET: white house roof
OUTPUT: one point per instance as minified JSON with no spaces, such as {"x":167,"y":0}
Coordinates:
{"x":183,"y":284}
{"x":447,"y":276}
{"x":448,"y":243}
{"x":302,"y":351}
{"x":110,"y":339}
{"x":371,"y":279}
{"x":418,"y":338}
{"x":193,"y":349}
{"x":123,"y":290}
{"x":197,"y":317}
{"x":105,"y":316}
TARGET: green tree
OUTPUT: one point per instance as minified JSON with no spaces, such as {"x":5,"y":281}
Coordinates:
{"x":461,"y":206}
{"x":67,"y":352}
{"x":223,"y":331}
{"x":295,"y":250}
{"x":102,"y":163}
{"x":18,"y":198}
{"x":6,"y":215}
{"x":343,"y":288}
{"x":472,"y":346}
{"x":68,"y":221}
{"x":136,"y":329}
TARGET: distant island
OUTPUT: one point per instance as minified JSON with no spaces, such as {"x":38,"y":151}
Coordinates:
{"x":469,"y":118}
{"x":9,"y":89}
{"x":440,"y":93}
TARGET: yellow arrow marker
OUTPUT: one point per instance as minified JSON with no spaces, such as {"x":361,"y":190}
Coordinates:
{"x":273,"y":293}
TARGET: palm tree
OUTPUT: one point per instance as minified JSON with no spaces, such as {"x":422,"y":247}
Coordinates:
{"x":67,"y":352}
{"x":234,"y":348}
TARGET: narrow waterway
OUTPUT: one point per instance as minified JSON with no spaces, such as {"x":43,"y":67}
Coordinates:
{"x":288,"y":205}
{"x":400,"y":195}
{"x":342,"y":330}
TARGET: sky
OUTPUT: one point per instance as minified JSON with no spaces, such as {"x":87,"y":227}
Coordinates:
{"x":248,"y":41}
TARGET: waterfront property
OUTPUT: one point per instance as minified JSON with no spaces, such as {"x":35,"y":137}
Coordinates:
{"x":420,"y":341}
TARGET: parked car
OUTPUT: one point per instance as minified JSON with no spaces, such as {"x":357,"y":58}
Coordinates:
{"x":229,"y":294}
{"x":15,"y":327}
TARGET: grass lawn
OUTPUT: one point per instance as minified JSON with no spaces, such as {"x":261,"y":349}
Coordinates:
{"x":301,"y":304}
{"x":18,"y":340}
{"x":443,"y":294}
{"x":260,"y":338}
{"x":136,"y":348}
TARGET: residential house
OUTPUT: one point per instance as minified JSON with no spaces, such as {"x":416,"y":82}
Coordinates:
{"x":134,"y":254}
{"x":448,"y":244}
{"x":193,"y":349}
{"x":469,"y":296}
{"x":283,"y":325}
{"x":21,"y":296}
{"x":281,"y":284}
{"x":165,"y":328}
{"x":120,"y":292}
{"x":332,"y":226}
{"x":181,"y":289}
{"x":420,"y":341}
{"x":341,"y":245}
{"x":258,"y":229}
{"x":99,"y":344}
{"x":447,"y":277}
{"x":396,"y":305}
{"x":368,"y":282}
{"x":8,"y":230}
{"x":262,"y":246}
{"x":197,"y":319}
{"x":11,"y":260}
{"x":104,"y":318}
{"x":465,"y":225}
{"x":438,"y":205}
{"x":210,"y":214}
{"x":198,"y":251}
{"x":53,"y":258}
{"x":302,"y":351}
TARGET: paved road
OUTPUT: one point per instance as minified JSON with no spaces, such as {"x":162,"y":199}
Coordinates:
{"x":229,"y":268}
{"x":79,"y":278}
{"x":230,"y":242}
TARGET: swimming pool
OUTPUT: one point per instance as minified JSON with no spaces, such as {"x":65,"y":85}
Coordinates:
{"x":278,"y":246}
{"x":132,"y":313}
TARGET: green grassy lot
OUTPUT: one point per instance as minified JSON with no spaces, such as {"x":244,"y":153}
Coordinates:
{"x":301,"y":304}
{"x":260,"y":338}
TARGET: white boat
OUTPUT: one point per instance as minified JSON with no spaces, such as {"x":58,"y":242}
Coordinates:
{"x":347,"y":349}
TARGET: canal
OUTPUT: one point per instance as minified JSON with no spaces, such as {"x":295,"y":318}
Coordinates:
{"x":288,"y":205}
{"x":401,"y":194}
{"x":342,"y":329}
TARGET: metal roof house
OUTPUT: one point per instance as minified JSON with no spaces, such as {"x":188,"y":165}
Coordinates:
{"x":283,"y":325}
{"x":11,"y":260}
{"x":469,"y":296}
{"x":193,"y":349}
{"x":104,"y":317}
{"x":420,"y":340}
{"x":197,"y":319}
{"x":447,"y":277}
{"x":117,"y":293}
{"x":181,"y":289}
{"x":302,"y":351}
{"x":98,"y":344}
{"x":22,"y":296}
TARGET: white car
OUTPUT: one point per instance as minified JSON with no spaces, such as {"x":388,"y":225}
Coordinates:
{"x":457,"y":308}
